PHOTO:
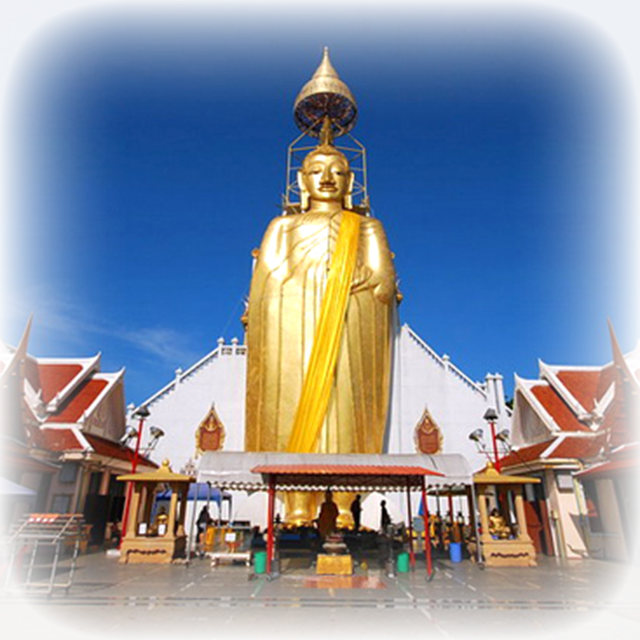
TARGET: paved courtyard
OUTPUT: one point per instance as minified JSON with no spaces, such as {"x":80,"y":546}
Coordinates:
{"x":582,"y":599}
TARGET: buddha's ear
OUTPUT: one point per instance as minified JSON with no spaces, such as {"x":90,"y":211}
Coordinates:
{"x":348,"y":202}
{"x":304,"y":194}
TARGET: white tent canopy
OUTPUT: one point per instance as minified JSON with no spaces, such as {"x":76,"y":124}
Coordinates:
{"x":232,"y":470}
{"x":13,"y":490}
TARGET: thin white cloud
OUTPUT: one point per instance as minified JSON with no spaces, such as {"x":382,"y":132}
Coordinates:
{"x":165,"y":344}
{"x":66,"y":321}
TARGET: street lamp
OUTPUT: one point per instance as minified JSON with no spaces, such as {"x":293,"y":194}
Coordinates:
{"x":491,"y":418}
{"x":503,"y":436}
{"x":156,"y":434}
{"x":142,"y":414}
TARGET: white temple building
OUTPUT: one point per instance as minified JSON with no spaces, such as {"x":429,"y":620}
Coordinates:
{"x":434,"y":407}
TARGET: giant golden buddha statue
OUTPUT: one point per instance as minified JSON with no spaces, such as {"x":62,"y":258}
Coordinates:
{"x":321,"y":315}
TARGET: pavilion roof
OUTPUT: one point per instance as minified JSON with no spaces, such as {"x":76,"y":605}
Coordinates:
{"x":163,"y":474}
{"x":344,"y":475}
{"x":370,"y":472}
{"x":491,"y":476}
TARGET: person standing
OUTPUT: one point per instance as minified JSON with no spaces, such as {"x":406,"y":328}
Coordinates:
{"x":385,"y":519}
{"x":203,"y":522}
{"x":356,"y":511}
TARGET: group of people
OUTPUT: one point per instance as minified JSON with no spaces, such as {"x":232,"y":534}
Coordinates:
{"x":328,"y":515}
{"x":326,"y":521}
{"x":442,"y":531}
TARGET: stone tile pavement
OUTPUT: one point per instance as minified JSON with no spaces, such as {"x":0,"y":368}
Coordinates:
{"x":564,"y":599}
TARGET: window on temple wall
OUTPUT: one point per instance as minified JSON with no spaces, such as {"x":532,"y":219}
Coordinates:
{"x":61,"y":503}
{"x":427,"y":435}
{"x":210,"y":433}
{"x":68,"y":473}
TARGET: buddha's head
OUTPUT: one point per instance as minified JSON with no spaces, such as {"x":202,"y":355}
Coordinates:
{"x":325,"y":177}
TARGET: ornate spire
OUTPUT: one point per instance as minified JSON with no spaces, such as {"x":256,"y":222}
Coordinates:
{"x":325,"y":96}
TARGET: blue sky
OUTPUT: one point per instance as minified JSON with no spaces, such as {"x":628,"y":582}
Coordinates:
{"x":149,"y":150}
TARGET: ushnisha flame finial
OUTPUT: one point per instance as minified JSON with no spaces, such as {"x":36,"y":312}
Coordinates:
{"x":325,"y":96}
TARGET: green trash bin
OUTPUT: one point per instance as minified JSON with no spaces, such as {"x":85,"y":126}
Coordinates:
{"x":260,"y":561}
{"x":403,"y":562}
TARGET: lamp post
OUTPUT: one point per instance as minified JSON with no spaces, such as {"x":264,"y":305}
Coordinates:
{"x":491,"y":417}
{"x":142,"y":414}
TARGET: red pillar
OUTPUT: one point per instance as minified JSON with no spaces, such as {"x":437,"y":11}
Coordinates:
{"x":425,"y":516}
{"x":134,"y":467}
{"x":496,"y":459}
{"x":271,"y":509}
{"x":412,"y":555}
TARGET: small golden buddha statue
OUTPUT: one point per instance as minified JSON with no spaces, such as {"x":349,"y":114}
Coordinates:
{"x":498,"y":528}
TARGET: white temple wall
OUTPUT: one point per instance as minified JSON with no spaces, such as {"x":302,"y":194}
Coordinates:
{"x":181,"y":406}
{"x":565,"y":517}
{"x":613,"y":535}
{"x":422,"y":379}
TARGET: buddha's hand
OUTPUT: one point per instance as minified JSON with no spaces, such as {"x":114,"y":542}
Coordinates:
{"x":382,"y":284}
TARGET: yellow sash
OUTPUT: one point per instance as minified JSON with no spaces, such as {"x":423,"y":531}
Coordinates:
{"x":316,"y":388}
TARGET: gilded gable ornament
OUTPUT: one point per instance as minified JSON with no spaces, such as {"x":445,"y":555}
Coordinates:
{"x":210,"y":433}
{"x":427,"y":435}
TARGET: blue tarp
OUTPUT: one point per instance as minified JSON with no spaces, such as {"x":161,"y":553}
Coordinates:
{"x":202,"y":495}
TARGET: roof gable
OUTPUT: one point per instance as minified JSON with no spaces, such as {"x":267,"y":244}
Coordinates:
{"x":73,"y":409}
{"x":555,"y":406}
{"x":56,"y":377}
{"x":583,"y":386}
{"x":60,"y":377}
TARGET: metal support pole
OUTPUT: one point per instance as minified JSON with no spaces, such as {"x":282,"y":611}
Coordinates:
{"x":54,"y":566}
{"x":271,"y":509}
{"x":134,"y":466}
{"x":477,"y":525}
{"x":412,"y":555}
{"x":496,"y":459}
{"x":192,"y":524}
{"x":32,"y":563}
{"x":425,"y":516}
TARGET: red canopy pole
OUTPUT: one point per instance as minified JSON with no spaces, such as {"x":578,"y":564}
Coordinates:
{"x":271,"y":509}
{"x":425,"y":516}
{"x":412,"y":555}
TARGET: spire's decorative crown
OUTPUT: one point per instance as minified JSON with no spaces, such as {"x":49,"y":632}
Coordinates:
{"x":325,"y":96}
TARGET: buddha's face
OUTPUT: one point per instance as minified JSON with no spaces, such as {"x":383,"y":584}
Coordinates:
{"x":326,"y":177}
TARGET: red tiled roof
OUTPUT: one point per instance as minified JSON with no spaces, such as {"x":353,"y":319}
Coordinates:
{"x":55,"y":377}
{"x":79,"y":402}
{"x":344,"y":469}
{"x":344,"y":475}
{"x":557,"y":409}
{"x":583,"y":386}
{"x":60,"y":440}
{"x":525,"y":454}
{"x":569,"y":447}
{"x":579,"y":447}
{"x":610,"y":467}
{"x":66,"y":440}
{"x":111,"y":449}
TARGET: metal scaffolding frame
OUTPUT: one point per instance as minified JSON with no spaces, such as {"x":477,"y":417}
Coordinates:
{"x":42,"y":537}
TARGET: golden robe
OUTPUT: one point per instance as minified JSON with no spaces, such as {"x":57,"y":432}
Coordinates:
{"x":288,"y":283}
